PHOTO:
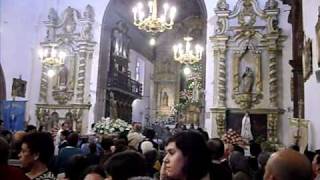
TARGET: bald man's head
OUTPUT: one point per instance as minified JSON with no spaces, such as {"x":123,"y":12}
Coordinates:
{"x":288,"y":164}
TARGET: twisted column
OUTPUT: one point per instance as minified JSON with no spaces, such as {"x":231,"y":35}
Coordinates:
{"x":258,"y":73}
{"x":273,"y":79}
{"x":222,"y":79}
{"x":236,"y":83}
{"x":81,"y":76}
{"x":44,"y":84}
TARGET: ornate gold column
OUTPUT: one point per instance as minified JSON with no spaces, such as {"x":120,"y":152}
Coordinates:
{"x":222,"y":76}
{"x":258,"y":69}
{"x":272,"y":127}
{"x":235,"y":68}
{"x":273,"y":79}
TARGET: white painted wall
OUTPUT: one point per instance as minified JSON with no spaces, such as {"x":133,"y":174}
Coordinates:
{"x":312,"y":87}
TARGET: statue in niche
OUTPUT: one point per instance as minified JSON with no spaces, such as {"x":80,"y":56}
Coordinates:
{"x":89,"y":13}
{"x":52,"y":20}
{"x":113,"y":107}
{"x":69,"y":21}
{"x":247,"y":80}
{"x":164,"y":99}
{"x":86,"y":33}
{"x":63,"y":78}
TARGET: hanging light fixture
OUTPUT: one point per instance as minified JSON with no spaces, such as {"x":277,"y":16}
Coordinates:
{"x":152,"y":23}
{"x":187,"y":56}
{"x":52,"y":58}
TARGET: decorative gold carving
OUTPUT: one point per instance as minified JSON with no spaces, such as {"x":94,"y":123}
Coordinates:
{"x":246,"y":100}
{"x":220,"y":120}
{"x":62,"y":97}
{"x":272,"y":127}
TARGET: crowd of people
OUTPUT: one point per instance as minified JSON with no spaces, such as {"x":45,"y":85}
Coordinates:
{"x":187,"y":154}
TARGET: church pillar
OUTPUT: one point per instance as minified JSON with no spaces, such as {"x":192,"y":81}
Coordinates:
{"x":295,"y":18}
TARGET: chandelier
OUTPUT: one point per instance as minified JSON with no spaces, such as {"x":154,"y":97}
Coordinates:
{"x":152,"y":23}
{"x":187,"y":56}
{"x":52,"y":57}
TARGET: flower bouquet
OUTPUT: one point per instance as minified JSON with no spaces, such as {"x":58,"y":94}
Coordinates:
{"x":232,"y":137}
{"x":111,"y":127}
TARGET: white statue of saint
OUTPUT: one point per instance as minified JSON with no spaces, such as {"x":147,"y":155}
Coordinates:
{"x":246,"y":128}
{"x":247,"y":80}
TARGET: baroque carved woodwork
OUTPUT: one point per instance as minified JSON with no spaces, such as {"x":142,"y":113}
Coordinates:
{"x":66,"y":95}
{"x":247,"y":41}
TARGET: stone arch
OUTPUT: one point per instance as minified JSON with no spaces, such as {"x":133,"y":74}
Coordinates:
{"x":2,"y":85}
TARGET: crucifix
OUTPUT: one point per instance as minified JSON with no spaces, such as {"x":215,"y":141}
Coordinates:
{"x":299,"y":123}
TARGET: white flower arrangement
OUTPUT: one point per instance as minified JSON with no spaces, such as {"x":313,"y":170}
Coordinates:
{"x":109,"y":126}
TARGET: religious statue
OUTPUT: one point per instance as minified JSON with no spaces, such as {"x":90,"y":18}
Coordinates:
{"x":63,"y":78}
{"x":247,"y":80}
{"x":164,"y":99}
{"x":113,"y":107}
{"x":69,"y":21}
{"x":86,"y":33}
{"x":246,"y":128}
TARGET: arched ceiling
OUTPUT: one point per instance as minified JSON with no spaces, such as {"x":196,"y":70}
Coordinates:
{"x":122,"y":10}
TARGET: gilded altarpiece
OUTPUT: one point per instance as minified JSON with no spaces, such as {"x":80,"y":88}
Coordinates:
{"x":167,"y":77}
{"x":65,"y":96}
{"x":247,"y":48}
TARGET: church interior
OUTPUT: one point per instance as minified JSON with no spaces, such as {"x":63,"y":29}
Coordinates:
{"x":214,"y":64}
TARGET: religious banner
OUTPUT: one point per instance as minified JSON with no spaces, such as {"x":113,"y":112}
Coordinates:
{"x":299,"y":132}
{"x":18,"y":88}
{"x":12,"y":113}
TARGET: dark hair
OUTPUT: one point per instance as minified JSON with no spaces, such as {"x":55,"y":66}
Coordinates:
{"x":238,"y":162}
{"x":195,"y":151}
{"x":42,"y":143}
{"x":238,"y":149}
{"x":255,"y":149}
{"x":124,"y":165}
{"x":295,"y":147}
{"x":65,"y":133}
{"x":4,"y":151}
{"x":73,"y":139}
{"x":92,"y":148}
{"x":75,"y":166}
{"x":149,"y":133}
{"x":31,"y":128}
{"x":106,"y":143}
{"x":216,"y":148}
{"x":94,"y":169}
